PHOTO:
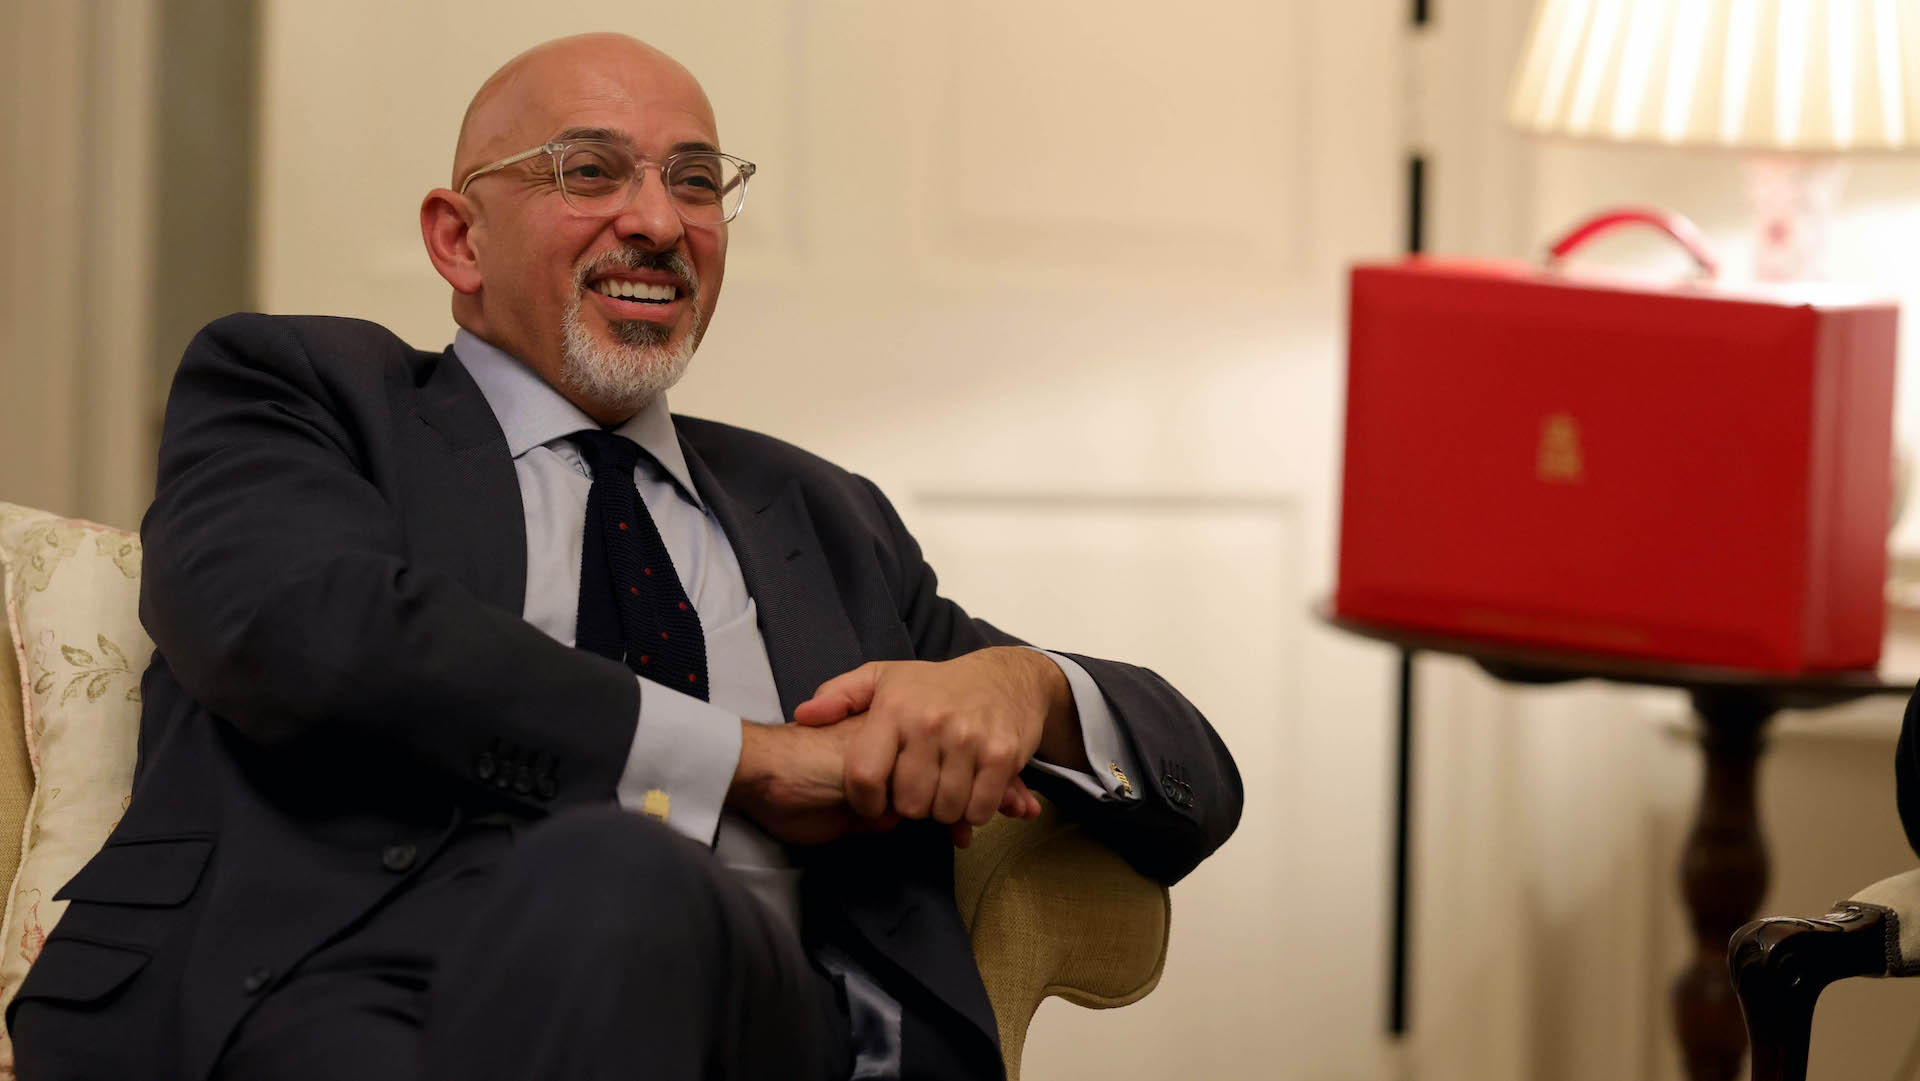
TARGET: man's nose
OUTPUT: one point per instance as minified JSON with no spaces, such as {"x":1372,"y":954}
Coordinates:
{"x":650,"y":217}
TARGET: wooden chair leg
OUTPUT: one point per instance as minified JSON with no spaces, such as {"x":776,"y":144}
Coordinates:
{"x":1779,"y":1029}
{"x":1780,"y":965}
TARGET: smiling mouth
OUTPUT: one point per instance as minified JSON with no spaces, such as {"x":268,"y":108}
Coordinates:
{"x":636,"y":292}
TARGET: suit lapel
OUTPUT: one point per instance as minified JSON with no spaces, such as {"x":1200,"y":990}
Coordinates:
{"x":808,"y":637}
{"x":464,"y":512}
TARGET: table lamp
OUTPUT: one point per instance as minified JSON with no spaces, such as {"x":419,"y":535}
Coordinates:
{"x":1795,"y":84}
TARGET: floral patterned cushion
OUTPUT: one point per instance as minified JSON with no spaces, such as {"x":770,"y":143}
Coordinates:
{"x":16,"y":775}
{"x":72,"y":592}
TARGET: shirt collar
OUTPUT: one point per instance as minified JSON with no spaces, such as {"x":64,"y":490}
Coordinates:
{"x":532,"y":413}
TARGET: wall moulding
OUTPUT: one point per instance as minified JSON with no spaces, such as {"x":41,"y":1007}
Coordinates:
{"x":1070,"y":140}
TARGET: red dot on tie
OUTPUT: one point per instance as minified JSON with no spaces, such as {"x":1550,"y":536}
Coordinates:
{"x":635,"y":590}
{"x":643,"y":658}
{"x":623,"y":525}
{"x":663,"y":634}
{"x":683,"y":606}
{"x":648,"y":570}
{"x":691,"y":678}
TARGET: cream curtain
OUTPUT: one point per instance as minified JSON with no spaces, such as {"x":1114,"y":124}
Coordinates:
{"x":76,"y":256}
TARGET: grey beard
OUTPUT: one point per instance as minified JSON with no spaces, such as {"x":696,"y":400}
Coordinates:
{"x":627,"y":375}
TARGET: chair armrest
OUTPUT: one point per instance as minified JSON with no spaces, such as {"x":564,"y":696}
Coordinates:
{"x":1781,"y":964}
{"x":1052,"y":912}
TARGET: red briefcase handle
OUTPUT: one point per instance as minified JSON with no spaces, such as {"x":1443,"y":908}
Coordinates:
{"x":1684,"y":233}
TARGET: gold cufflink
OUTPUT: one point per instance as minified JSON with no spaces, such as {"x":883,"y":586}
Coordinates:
{"x":656,"y":804}
{"x":1126,"y":786}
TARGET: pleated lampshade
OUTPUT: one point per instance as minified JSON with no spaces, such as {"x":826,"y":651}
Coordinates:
{"x":1814,"y":76}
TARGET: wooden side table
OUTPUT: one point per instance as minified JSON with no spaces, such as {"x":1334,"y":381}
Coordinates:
{"x":1723,"y":868}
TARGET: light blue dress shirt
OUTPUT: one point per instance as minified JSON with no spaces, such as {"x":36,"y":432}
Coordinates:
{"x":684,"y":751}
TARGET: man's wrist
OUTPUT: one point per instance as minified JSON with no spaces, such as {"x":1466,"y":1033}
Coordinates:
{"x":1061,"y":742}
{"x":751,"y":773}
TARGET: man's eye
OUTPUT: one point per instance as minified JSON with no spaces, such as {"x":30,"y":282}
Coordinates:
{"x":592,"y":177}
{"x":592,"y":172}
{"x":696,"y":182}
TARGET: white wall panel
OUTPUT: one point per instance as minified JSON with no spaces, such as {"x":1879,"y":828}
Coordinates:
{"x":1203,"y":591}
{"x":1073,"y":135}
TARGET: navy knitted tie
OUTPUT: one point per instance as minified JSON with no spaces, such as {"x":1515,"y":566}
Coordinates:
{"x":632,"y":605}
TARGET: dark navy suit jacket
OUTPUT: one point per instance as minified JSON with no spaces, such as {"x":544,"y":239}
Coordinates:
{"x":334,"y":575}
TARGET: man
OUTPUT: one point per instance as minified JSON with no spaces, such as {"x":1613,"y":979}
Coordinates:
{"x":461,"y":753}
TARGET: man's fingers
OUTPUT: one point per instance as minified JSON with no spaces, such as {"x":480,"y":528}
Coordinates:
{"x":1016,"y":801}
{"x":869,"y":767}
{"x":986,"y":797}
{"x":953,"y":797}
{"x":993,"y":791}
{"x":916,"y":777}
{"x":840,"y":697}
{"x":998,"y":778}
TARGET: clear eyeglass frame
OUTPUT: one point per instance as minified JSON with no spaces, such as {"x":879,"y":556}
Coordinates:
{"x":729,"y":199}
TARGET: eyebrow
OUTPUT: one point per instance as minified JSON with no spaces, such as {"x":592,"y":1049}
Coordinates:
{"x":608,"y":135}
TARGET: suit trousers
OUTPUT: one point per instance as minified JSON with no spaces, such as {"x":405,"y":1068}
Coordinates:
{"x":597,"y":944}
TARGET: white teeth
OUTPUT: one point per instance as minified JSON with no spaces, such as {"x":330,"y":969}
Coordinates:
{"x":635,"y":290}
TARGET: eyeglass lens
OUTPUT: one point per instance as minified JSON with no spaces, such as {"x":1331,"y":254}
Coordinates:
{"x":706,"y":188}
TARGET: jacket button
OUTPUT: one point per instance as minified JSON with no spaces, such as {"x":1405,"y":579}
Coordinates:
{"x":545,"y":788}
{"x":1178,"y":792}
{"x":257,"y":980}
{"x":484,"y":766}
{"x":523,"y":780}
{"x":398,"y":856}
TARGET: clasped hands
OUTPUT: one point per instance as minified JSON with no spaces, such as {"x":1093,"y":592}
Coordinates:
{"x":895,"y":740}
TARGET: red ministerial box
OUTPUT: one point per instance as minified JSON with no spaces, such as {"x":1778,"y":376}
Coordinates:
{"x":1690,"y":474}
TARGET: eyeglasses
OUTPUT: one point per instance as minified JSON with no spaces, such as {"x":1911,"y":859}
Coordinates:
{"x":600,"y":179}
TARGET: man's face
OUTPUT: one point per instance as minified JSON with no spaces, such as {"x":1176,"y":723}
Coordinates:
{"x":551,"y":275}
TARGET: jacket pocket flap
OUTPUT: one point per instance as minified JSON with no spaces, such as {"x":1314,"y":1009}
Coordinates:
{"x":76,"y":970}
{"x":158,"y":873}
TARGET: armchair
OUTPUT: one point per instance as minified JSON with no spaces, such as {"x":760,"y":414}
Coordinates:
{"x":1781,"y":964}
{"x":1049,"y":910}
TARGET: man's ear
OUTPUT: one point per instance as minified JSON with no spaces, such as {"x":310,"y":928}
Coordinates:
{"x":446,"y":220}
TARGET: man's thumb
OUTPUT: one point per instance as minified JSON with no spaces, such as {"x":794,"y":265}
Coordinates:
{"x":840,"y":697}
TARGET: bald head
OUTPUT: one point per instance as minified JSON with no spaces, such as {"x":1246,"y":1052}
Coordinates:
{"x":574,"y":292}
{"x":513,"y":109}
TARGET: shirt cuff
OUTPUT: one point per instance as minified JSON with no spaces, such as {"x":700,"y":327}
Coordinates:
{"x":1113,"y":766}
{"x":681,"y":763}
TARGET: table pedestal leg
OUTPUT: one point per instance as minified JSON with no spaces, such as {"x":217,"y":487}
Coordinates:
{"x":1723,"y":874}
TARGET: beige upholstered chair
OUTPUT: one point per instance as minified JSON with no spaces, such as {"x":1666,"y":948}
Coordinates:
{"x":1050,"y":911}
